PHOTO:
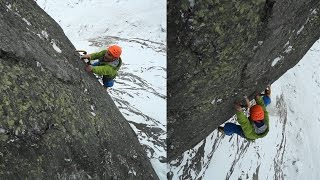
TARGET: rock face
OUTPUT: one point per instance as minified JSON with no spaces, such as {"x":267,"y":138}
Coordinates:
{"x":56,"y":120}
{"x":219,"y":51}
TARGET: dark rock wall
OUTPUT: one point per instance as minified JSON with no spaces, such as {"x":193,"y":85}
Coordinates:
{"x":219,"y":51}
{"x":56,"y":121}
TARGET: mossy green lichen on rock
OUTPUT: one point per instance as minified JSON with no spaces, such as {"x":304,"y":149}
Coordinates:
{"x":10,"y":123}
{"x":37,"y":110}
{"x":4,"y":137}
{"x":220,"y":56}
{"x":39,"y":105}
{"x":49,"y":129}
{"x":224,"y":20}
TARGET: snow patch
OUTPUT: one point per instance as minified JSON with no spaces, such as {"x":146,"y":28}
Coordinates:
{"x":45,"y":34}
{"x":259,"y":44}
{"x":25,"y":20}
{"x":213,"y":101}
{"x":67,"y":160}
{"x":176,"y":166}
{"x":39,"y":36}
{"x":2,"y":130}
{"x":93,"y":114}
{"x":289,"y":49}
{"x":191,"y":2}
{"x":39,"y":65}
{"x":216,"y":101}
{"x":132,"y":171}
{"x":287,"y":44}
{"x":299,"y":31}
{"x":55,"y":47}
{"x":313,"y":13}
{"x":92,"y":108}
{"x":276,"y":60}
{"x":9,"y":6}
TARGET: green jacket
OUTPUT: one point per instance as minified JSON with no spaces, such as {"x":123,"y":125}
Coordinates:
{"x":247,"y":126}
{"x":105,"y":68}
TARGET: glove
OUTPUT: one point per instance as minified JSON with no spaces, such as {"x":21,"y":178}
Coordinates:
{"x":88,"y":68}
{"x":237,"y":107}
{"x":84,"y":57}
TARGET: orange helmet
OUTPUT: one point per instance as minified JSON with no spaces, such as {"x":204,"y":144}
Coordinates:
{"x":256,"y":113}
{"x":115,"y":51}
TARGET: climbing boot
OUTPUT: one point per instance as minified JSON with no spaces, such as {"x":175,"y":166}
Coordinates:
{"x":220,"y":129}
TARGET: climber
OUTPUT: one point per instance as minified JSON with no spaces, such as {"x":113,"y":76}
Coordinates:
{"x":254,"y":127}
{"x":266,"y":96}
{"x":108,"y":64}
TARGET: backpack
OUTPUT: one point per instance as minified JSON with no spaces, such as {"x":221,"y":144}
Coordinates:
{"x":259,"y":127}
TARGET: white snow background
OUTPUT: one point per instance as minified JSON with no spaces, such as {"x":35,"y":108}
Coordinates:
{"x":139,"y":27}
{"x":290,"y":150}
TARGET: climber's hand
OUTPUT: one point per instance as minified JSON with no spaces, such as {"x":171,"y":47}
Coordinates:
{"x":88,"y":68}
{"x":85,"y":57}
{"x":257,"y":97}
{"x":237,"y":106}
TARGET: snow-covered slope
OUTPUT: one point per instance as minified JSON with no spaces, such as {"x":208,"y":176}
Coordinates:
{"x":139,"y":27}
{"x":290,"y":150}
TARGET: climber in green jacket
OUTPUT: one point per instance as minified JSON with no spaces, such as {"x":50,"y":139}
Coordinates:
{"x":254,"y":127}
{"x":108,"y":65}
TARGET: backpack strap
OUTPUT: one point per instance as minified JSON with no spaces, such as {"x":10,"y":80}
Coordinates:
{"x":260,"y":128}
{"x":116,"y":66}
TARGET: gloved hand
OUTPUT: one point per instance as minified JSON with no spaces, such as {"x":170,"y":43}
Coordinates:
{"x":257,"y":97}
{"x":84,"y":57}
{"x":237,"y":106}
{"x":88,"y":68}
{"x":247,"y":101}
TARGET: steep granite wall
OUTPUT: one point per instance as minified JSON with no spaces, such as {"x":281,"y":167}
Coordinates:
{"x":219,"y":51}
{"x":56,"y":120}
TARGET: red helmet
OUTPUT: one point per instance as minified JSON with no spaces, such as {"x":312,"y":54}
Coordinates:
{"x":115,"y":51}
{"x":256,"y":113}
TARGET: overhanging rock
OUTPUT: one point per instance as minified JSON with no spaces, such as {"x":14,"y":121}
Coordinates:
{"x":219,"y":51}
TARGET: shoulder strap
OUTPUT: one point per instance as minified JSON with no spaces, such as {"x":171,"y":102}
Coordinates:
{"x":114,"y":64}
{"x":119,"y":64}
{"x":261,"y":129}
